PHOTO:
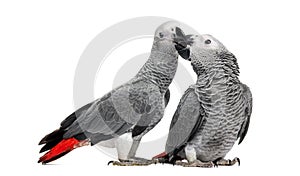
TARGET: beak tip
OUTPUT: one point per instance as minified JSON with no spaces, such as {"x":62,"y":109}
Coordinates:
{"x":179,"y":32}
{"x":185,"y":54}
{"x":181,"y":44}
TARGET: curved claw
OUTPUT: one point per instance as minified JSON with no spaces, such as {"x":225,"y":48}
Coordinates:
{"x":238,"y":160}
{"x":109,"y":162}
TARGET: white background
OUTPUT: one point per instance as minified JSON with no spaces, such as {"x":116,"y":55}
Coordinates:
{"x":40,"y":44}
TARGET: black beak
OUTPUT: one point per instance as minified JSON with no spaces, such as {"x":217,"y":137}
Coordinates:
{"x":181,"y":44}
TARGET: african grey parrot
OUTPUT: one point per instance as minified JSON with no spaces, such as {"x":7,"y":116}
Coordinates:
{"x":213,"y":113}
{"x":124,"y":115}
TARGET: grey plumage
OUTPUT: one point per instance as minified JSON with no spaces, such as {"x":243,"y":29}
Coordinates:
{"x":138,"y":102}
{"x":213,"y":113}
{"x":133,"y":108}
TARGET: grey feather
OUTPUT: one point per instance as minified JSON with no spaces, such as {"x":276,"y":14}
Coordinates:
{"x":186,"y":120}
{"x":224,"y":104}
{"x":138,"y":102}
{"x":136,"y":106}
{"x":248,"y":111}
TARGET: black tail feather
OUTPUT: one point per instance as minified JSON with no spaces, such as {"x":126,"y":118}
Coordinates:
{"x":50,"y":145}
{"x":57,"y":134}
{"x":68,"y":121}
{"x":52,"y":139}
{"x":72,"y":117}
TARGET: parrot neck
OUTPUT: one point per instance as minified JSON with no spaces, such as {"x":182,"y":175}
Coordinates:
{"x":211,"y":77}
{"x":160,"y":69}
{"x":224,"y":69}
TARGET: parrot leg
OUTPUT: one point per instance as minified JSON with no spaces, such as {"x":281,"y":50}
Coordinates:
{"x":227,"y":162}
{"x":191,"y":156}
{"x":127,"y":148}
{"x":195,"y":163}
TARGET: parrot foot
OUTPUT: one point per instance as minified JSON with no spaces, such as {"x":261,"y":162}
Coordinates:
{"x":195,"y":163}
{"x":227,"y":162}
{"x":132,"y":162}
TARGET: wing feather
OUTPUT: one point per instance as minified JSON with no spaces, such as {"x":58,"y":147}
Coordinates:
{"x":248,"y":101}
{"x":185,"y":123}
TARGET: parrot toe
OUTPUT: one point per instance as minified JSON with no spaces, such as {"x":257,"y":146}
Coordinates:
{"x":195,"y":163}
{"x":227,"y":162}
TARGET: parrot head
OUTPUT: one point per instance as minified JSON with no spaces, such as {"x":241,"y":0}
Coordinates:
{"x":169,"y":38}
{"x":208,"y":53}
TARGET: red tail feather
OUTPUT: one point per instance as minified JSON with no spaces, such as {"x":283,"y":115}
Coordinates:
{"x":161,"y":155}
{"x":63,"y":147}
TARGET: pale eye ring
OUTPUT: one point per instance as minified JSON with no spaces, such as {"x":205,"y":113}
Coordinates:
{"x":207,"y":41}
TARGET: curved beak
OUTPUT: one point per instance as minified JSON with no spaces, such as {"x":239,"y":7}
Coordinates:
{"x":181,"y":44}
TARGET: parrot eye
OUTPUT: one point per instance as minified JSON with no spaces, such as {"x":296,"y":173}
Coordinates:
{"x":207,"y":41}
{"x":161,"y":35}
